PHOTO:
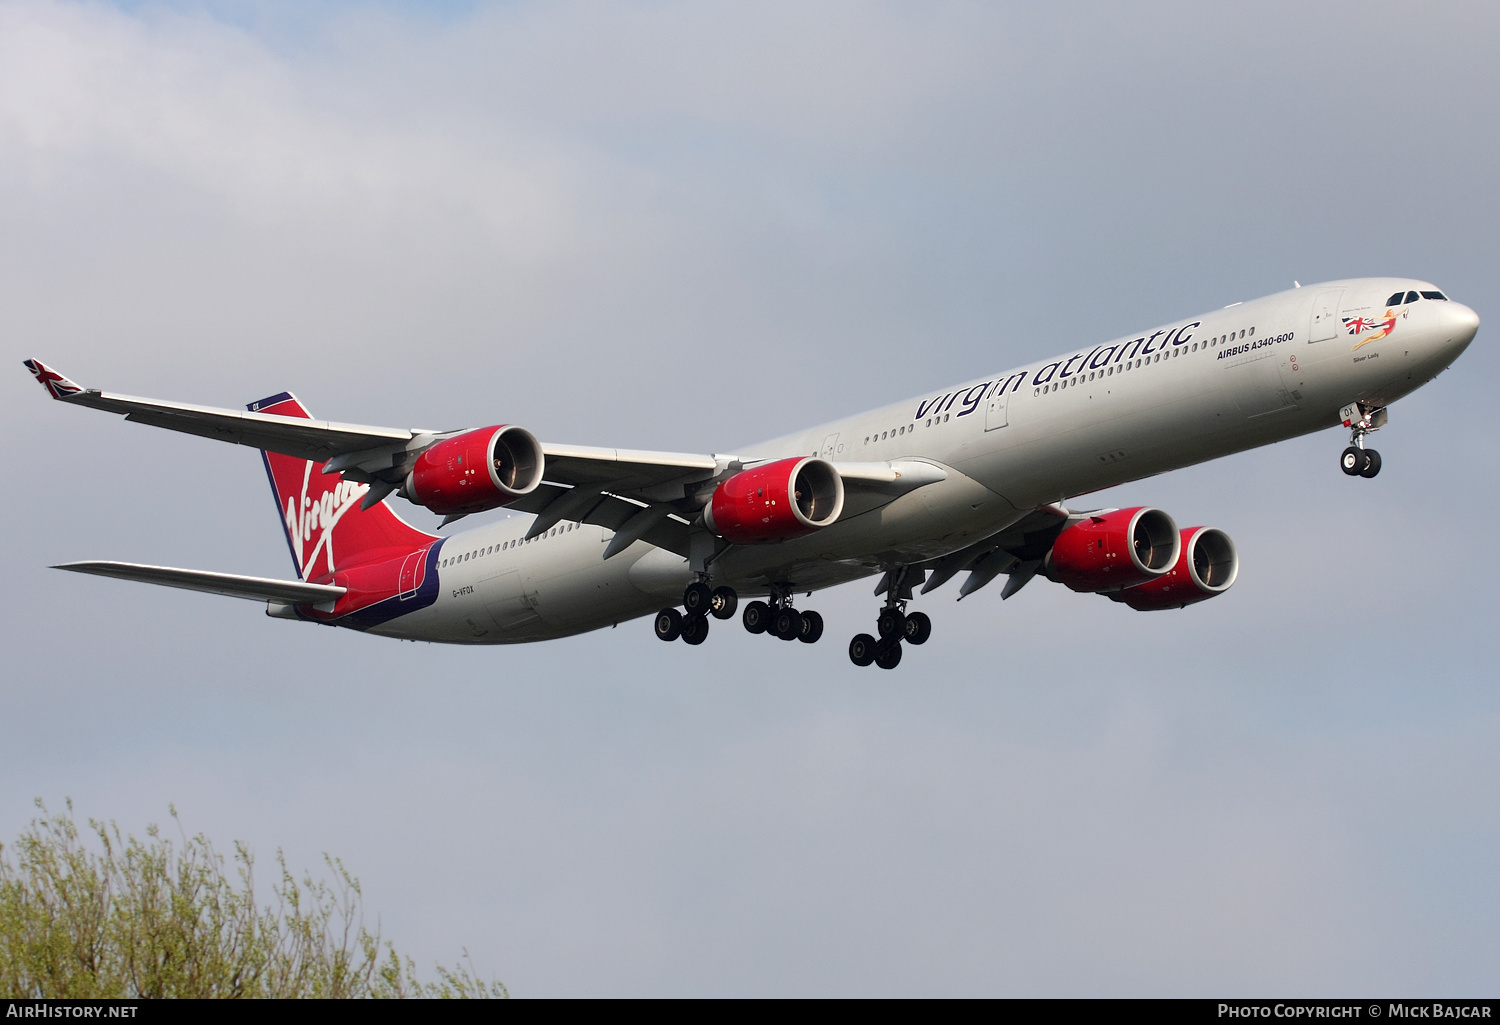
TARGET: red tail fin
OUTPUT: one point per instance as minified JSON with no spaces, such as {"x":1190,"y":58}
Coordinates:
{"x":325,"y":527}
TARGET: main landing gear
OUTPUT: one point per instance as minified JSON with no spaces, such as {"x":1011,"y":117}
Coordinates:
{"x":1356,"y":460}
{"x":701,"y":602}
{"x":894,"y":624}
{"x":779,"y":619}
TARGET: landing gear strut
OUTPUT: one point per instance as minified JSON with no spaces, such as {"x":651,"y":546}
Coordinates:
{"x":779,"y":619}
{"x":894,"y":624}
{"x":701,"y":602}
{"x":1356,"y":460}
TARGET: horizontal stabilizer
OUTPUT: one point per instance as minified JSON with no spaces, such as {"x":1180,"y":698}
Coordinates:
{"x":255,"y":588}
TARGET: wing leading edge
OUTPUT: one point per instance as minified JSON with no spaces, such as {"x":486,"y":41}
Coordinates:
{"x":612,"y":469}
{"x":644,"y":495}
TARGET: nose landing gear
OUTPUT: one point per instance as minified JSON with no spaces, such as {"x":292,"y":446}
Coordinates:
{"x":1356,"y":460}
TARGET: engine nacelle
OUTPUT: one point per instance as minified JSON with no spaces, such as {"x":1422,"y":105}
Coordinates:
{"x":776,"y":502}
{"x":1115,"y":550}
{"x":1207,"y":566}
{"x":477,"y":470}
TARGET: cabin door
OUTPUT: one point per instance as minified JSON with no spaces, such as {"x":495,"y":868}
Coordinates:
{"x":997,"y":413}
{"x":1325,"y":316}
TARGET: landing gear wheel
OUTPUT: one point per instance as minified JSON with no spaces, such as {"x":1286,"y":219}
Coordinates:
{"x":862,"y":650}
{"x":1353,"y":461}
{"x":1372,"y":463}
{"x":812,"y":628}
{"x":787,"y":625}
{"x":669,"y":624}
{"x":890,"y":655}
{"x":695,"y":629}
{"x":723,"y":602}
{"x":756,"y":617}
{"x":697,"y":598}
{"x":918,"y":628}
{"x":890,"y":624}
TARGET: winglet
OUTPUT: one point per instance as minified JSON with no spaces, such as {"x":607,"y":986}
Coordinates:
{"x":58,"y":386}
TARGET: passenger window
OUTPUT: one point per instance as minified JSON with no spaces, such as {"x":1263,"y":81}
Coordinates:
{"x":1412,"y":297}
{"x":1434,"y":295}
{"x":1395,"y":300}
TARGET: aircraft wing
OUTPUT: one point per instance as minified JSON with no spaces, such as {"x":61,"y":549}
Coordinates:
{"x":293,"y":592}
{"x":616,"y":470}
{"x":1017,"y":551}
{"x":640,"y":495}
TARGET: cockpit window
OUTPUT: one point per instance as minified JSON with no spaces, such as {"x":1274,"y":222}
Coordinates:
{"x":1395,"y":300}
{"x":1434,"y":295}
{"x":1411,"y":297}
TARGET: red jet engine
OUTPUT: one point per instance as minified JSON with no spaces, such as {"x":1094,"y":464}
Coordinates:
{"x":1115,"y":550}
{"x":476,"y":470}
{"x":1207,"y":566}
{"x":776,"y":502}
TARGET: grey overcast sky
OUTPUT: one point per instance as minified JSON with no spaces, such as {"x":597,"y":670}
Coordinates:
{"x":688,"y":225}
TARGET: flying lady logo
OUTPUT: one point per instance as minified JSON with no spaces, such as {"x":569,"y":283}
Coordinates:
{"x":1380,"y":326}
{"x":311,"y":521}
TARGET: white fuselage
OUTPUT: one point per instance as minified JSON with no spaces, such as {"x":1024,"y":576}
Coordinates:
{"x":1192,"y":390}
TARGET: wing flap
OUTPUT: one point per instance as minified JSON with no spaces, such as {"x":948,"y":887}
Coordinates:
{"x":234,"y":585}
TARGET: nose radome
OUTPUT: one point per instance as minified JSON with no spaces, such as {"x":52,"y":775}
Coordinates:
{"x":1467,"y":321}
{"x":1459,"y":326}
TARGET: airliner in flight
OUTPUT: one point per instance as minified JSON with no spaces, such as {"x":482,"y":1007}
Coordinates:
{"x":971,"y":479}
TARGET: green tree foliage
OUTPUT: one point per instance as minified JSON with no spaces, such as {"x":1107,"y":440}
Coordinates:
{"x":128,"y":918}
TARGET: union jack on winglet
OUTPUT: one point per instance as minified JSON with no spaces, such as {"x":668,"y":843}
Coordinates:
{"x":58,"y":386}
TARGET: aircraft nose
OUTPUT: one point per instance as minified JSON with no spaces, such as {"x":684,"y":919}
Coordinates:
{"x":1459,"y":327}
